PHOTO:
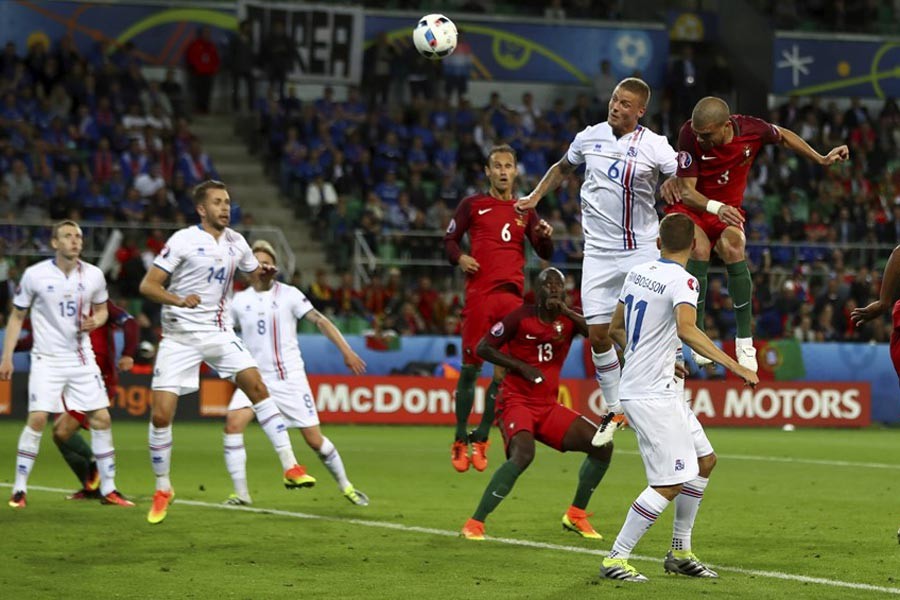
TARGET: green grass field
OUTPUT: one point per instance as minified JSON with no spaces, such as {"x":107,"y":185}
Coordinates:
{"x":784,"y":511}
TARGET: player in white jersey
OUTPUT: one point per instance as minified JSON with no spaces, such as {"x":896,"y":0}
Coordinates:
{"x":67,"y":298}
{"x":267,"y":315}
{"x":656,"y":312}
{"x":623,"y":161}
{"x":200,"y":262}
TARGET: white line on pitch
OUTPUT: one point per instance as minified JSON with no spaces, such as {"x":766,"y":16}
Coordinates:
{"x":788,"y":459}
{"x":509,"y":541}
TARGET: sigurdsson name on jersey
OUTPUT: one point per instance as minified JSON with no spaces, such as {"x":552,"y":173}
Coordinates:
{"x":645,"y":282}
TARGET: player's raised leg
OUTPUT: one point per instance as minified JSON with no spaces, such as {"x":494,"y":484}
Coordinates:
{"x":463,"y":398}
{"x":740,"y":285}
{"x":236,"y":454}
{"x":251,"y":383}
{"x":520,"y":451}
{"x":596,"y":463}
{"x":332,"y":460}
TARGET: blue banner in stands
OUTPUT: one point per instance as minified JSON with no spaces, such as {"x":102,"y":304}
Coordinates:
{"x":505,"y":50}
{"x":809,"y":64}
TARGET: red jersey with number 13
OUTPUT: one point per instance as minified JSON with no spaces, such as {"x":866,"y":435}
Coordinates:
{"x":721,"y":171}
{"x":537,"y":343}
{"x":497,"y":233}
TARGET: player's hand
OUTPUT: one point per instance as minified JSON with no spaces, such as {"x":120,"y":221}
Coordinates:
{"x":125,"y":363}
{"x":189,"y":301}
{"x":555,"y":304}
{"x":750,"y":378}
{"x":6,"y":370}
{"x":268,"y":270}
{"x":839,"y":154}
{"x":730,"y":216}
{"x":543,"y":229}
{"x":88,"y":323}
{"x":532,"y":374}
{"x":527,"y":202}
{"x":356,"y":365}
{"x":681,"y":370}
{"x":670,"y":190}
{"x":468,"y":264}
{"x":867,"y":313}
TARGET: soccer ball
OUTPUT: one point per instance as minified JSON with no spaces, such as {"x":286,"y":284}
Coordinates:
{"x":435,"y":37}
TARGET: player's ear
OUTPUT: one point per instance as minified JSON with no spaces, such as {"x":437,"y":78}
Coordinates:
{"x":659,"y":244}
{"x":693,"y":244}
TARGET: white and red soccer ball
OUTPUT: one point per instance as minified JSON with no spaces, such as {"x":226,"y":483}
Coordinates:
{"x":435,"y":37}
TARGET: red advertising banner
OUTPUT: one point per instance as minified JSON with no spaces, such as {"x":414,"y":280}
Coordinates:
{"x":425,"y":400}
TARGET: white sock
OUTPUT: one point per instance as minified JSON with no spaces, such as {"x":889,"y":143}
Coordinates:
{"x":741,"y":342}
{"x":236,"y":463}
{"x":102,"y":447}
{"x":161,"y":455}
{"x":273,"y":424}
{"x":643,"y":513}
{"x":331,"y":458}
{"x":687,"y":503}
{"x":608,"y":373}
{"x":29,"y":444}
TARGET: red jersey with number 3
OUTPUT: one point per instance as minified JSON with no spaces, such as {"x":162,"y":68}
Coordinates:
{"x":721,"y":171}
{"x":537,"y":343}
{"x":497,"y":233}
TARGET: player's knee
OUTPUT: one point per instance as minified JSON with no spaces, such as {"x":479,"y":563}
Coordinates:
{"x":600,"y":340}
{"x":707,"y":464}
{"x":37,"y":421}
{"x":522,"y":456}
{"x":100,"y":420}
{"x":603,"y":453}
{"x":161,"y":418}
{"x":236,"y":422}
{"x":257,"y":390}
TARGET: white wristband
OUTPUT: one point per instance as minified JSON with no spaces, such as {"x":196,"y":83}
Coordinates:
{"x":714,"y":206}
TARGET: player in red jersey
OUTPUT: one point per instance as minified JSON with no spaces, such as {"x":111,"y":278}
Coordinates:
{"x":76,"y":452}
{"x":537,"y":340}
{"x":494,"y":284}
{"x":716,"y":151}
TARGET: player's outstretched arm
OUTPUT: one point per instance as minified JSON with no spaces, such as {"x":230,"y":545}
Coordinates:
{"x":890,"y":292}
{"x":694,"y":199}
{"x":690,"y":334}
{"x":152,"y":289}
{"x":356,"y":364}
{"x":489,"y":353}
{"x":792,"y":141}
{"x":11,"y":336}
{"x":550,"y":181}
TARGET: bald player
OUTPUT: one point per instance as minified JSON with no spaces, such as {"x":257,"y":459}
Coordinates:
{"x":716,"y":151}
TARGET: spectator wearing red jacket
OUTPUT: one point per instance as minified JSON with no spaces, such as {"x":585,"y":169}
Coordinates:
{"x":202,"y":58}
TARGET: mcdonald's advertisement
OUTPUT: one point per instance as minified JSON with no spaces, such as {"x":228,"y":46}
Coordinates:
{"x":429,"y":401}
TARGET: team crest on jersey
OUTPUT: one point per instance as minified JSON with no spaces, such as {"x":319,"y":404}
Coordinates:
{"x":247,"y":307}
{"x":231,"y":250}
{"x":50,"y":288}
{"x":679,"y":464}
{"x":747,"y":151}
{"x":632,"y":152}
{"x":685,"y":159}
{"x":692,"y":283}
{"x":598,"y":147}
{"x":558,"y":328}
{"x":497,"y":329}
{"x":80,"y":287}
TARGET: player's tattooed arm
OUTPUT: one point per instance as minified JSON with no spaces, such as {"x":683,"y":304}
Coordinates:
{"x":494,"y":356}
{"x":792,"y":141}
{"x":356,"y":364}
{"x":550,"y":181}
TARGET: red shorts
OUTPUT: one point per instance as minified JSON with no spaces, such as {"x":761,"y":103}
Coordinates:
{"x":548,"y":422}
{"x":708,"y":222}
{"x":895,"y":338}
{"x":479,"y":315}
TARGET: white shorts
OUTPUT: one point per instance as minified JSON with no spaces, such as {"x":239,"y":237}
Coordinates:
{"x":670,"y":438}
{"x":602,"y":277}
{"x":178,"y":359}
{"x":50,"y":380}
{"x":292,"y":396}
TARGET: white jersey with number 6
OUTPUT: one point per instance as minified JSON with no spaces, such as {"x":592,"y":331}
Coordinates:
{"x":618,"y":196}
{"x":199,"y":264}
{"x":268,"y":323}
{"x":58,"y":303}
{"x":651,"y":292}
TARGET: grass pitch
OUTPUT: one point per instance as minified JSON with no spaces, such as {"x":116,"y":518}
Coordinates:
{"x":807,"y":514}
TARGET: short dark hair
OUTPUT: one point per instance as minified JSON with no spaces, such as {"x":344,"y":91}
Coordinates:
{"x":200,"y":190}
{"x":676,"y":232}
{"x":636,"y":86}
{"x":61,"y":224}
{"x":502,"y":148}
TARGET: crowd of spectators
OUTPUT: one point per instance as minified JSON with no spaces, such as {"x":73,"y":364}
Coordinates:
{"x":855,"y":16}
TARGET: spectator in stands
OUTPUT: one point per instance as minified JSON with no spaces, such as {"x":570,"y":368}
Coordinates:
{"x":173,"y":90}
{"x":321,"y":198}
{"x":196,"y":165}
{"x":604,"y":83}
{"x":278,"y":57}
{"x":241,"y":61}
{"x":451,"y":366}
{"x":149,"y":183}
{"x":320,"y":292}
{"x":202,"y":60}
{"x":19,"y":186}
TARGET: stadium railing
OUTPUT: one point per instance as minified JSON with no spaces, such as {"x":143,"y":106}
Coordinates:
{"x":31,"y":239}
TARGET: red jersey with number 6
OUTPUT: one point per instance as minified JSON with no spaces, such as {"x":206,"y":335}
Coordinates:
{"x":497,"y":233}
{"x":721,"y":171}
{"x":537,"y":343}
